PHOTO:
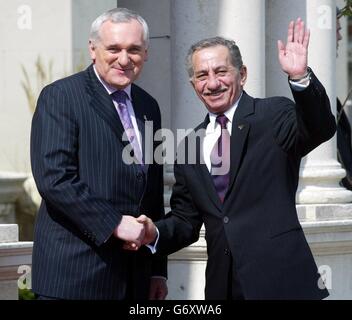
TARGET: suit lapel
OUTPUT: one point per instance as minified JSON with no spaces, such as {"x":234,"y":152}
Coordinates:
{"x":203,"y":171}
{"x":209,"y":185}
{"x":240,"y":130}
{"x":141,"y":117}
{"x":102,"y":103}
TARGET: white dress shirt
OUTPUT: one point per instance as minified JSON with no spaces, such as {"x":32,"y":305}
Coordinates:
{"x":213,"y":131}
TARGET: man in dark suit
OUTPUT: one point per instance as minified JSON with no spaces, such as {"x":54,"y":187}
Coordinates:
{"x":255,"y":244}
{"x":343,"y":135}
{"x":91,"y":194}
{"x":344,"y":147}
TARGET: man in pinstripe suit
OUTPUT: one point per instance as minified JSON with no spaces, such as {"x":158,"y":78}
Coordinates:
{"x":90,"y":195}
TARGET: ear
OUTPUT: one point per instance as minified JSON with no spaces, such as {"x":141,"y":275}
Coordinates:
{"x":146,"y":55}
{"x":92,"y":50}
{"x":243,"y":74}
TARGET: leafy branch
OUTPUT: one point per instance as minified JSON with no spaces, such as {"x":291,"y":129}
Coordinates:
{"x":346,"y":10}
{"x":44,"y":76}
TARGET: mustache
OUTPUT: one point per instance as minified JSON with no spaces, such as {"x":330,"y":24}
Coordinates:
{"x":124,"y":69}
{"x":215,"y":92}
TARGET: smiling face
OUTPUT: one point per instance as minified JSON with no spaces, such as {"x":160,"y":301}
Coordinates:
{"x":119,"y":53}
{"x":216,"y":81}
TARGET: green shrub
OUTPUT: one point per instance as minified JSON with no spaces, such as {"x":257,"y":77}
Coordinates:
{"x":26,"y":294}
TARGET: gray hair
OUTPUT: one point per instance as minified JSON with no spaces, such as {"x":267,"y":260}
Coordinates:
{"x":118,"y":15}
{"x":236,"y":58}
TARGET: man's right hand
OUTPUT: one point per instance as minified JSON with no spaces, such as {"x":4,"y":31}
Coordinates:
{"x":150,"y":234}
{"x":149,"y":228}
{"x":293,"y":56}
{"x":130,"y":230}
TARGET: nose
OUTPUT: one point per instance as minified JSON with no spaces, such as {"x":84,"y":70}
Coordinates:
{"x":213,"y":82}
{"x":123,"y":58}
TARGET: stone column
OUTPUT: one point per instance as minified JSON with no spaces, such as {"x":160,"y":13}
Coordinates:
{"x":155,"y":77}
{"x":320,"y":171}
{"x":244,"y":21}
{"x":342,"y":86}
{"x":11,"y":185}
{"x":194,"y":20}
{"x":15,"y":262}
{"x":323,"y":208}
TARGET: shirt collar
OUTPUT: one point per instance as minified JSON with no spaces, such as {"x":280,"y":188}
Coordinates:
{"x":229,"y":114}
{"x":110,"y":90}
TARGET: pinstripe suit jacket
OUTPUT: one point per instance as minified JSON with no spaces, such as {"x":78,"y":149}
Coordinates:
{"x":76,"y":156}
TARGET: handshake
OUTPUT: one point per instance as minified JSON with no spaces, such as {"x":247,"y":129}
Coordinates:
{"x":135,"y":231}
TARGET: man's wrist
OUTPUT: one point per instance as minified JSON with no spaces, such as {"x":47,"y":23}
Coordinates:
{"x":153,"y":246}
{"x":298,"y":78}
{"x":302,"y":83}
{"x":301,"y":78}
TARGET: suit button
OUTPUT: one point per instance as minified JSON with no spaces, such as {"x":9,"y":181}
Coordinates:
{"x":227,"y":252}
{"x":139,"y":175}
{"x":226,"y":220}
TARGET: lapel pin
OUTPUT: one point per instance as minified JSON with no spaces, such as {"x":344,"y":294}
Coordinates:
{"x":241,"y":126}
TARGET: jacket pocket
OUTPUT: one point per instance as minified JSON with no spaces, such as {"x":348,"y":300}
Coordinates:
{"x":278,"y":232}
{"x":287,"y":223}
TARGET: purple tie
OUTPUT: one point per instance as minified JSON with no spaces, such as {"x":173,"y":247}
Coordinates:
{"x":120,"y":98}
{"x":220,"y":159}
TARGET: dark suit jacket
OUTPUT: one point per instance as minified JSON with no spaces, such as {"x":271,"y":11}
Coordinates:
{"x":76,"y":149}
{"x":344,"y":146}
{"x":257,"y":224}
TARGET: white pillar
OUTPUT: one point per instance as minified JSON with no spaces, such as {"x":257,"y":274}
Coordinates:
{"x":194,"y":20}
{"x":156,"y":76}
{"x":244,"y":21}
{"x":320,"y":171}
{"x":342,"y":60}
{"x":11,"y":187}
{"x":191,"y":21}
{"x":15,"y":262}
